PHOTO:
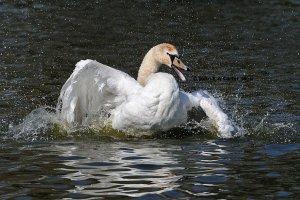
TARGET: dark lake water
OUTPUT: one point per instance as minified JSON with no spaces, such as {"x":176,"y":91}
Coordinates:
{"x":246,"y":53}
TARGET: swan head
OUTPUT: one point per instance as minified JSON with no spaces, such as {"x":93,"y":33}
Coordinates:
{"x":162,"y":54}
{"x":169,"y":56}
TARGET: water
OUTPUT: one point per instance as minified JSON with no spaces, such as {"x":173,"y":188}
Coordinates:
{"x":150,"y":169}
{"x":245,"y":53}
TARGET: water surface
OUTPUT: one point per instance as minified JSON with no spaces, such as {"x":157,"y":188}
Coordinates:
{"x":245,"y":53}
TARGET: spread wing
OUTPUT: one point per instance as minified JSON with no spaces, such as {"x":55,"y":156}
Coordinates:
{"x":93,"y":88}
{"x":202,"y":99}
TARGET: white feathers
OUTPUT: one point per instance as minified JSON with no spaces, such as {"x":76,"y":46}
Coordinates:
{"x":93,"y":88}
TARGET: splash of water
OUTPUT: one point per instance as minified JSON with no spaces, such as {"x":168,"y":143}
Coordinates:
{"x":42,"y":124}
{"x":261,"y":127}
{"x":38,"y":125}
{"x":280,"y":132}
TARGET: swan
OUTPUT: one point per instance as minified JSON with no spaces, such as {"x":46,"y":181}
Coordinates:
{"x":152,"y":102}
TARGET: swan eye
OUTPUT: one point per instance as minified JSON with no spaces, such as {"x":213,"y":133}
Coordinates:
{"x":172,"y":57}
{"x":178,"y":61}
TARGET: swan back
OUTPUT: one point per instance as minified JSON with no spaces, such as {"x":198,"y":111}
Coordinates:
{"x":157,"y":107}
{"x":171,"y":111}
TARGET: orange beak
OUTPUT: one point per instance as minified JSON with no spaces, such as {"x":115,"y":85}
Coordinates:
{"x":178,"y":65}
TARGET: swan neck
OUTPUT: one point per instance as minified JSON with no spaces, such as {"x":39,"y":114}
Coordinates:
{"x":149,"y":66}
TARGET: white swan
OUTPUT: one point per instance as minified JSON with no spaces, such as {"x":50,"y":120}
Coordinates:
{"x":153,"y":102}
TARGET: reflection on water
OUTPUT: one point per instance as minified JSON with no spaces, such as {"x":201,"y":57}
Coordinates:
{"x":150,"y":169}
{"x":118,"y":169}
